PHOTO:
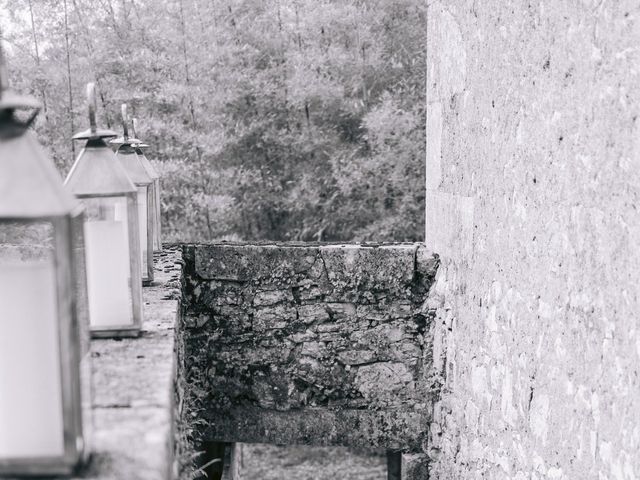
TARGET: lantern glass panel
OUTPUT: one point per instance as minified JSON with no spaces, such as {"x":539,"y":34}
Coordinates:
{"x":141,"y":178}
{"x":158,"y":210}
{"x":44,"y":362}
{"x":108,"y":276}
{"x":145,"y":215}
{"x":157,"y":215}
{"x":31,"y":411}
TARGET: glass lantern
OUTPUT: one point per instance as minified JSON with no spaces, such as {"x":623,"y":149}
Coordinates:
{"x":146,"y":198}
{"x":44,"y":347}
{"x":157,"y":228}
{"x":111,"y":232}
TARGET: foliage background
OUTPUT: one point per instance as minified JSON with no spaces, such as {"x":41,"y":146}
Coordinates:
{"x":268,"y":119}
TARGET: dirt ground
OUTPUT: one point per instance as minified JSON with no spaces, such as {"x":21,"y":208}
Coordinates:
{"x":272,"y":462}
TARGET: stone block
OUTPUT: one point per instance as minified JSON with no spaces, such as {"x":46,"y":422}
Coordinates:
{"x":272,"y":297}
{"x":315,"y":313}
{"x":313,"y":349}
{"x":354,"y":269}
{"x":342,"y":311}
{"x":241,"y":263}
{"x":378,"y":379}
{"x":356,"y":357}
{"x":274,"y":317}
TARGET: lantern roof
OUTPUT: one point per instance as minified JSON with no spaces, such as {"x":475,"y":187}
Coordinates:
{"x":140,"y":147}
{"x":30,"y":186}
{"x":135,"y":165}
{"x":129,"y":141}
{"x":96,"y":171}
{"x":147,"y":164}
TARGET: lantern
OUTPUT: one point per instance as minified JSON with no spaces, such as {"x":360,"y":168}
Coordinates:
{"x":44,"y":353}
{"x":111,"y":232}
{"x":141,"y":178}
{"x":157,"y":227}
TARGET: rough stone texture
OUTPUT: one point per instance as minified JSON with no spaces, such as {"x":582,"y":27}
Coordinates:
{"x":414,"y":466}
{"x":533,"y":163}
{"x":133,"y":388}
{"x":314,"y":344}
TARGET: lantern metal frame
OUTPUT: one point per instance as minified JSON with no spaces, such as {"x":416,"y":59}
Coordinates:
{"x":155,"y":176}
{"x":96,"y":141}
{"x":65,"y":218}
{"x":68,"y":341}
{"x":141,"y":177}
{"x":71,"y":353}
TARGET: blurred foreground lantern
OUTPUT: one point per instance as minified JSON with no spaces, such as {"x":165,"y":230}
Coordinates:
{"x":157,"y":227}
{"x":141,"y":177}
{"x":44,"y":355}
{"x":111,"y":233}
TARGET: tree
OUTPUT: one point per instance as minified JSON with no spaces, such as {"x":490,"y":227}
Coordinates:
{"x":270,"y":119}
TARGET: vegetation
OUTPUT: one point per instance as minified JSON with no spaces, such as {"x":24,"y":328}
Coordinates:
{"x":268,"y":119}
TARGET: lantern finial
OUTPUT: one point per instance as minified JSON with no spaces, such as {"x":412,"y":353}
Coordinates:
{"x":91,"y":101}
{"x":125,"y":121}
{"x":93,"y":132}
{"x":140,"y":145}
{"x":126,"y":140}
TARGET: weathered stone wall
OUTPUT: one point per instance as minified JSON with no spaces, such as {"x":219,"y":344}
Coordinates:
{"x":315,"y":344}
{"x":533,"y":189}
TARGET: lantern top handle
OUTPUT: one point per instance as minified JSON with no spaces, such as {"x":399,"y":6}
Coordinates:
{"x":10,"y":100}
{"x":126,"y":140}
{"x":125,"y":121}
{"x":134,"y":123}
{"x":93,"y":132}
{"x":92,"y":104}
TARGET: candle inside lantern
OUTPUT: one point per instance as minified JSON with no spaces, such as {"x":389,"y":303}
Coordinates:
{"x":108,"y":273}
{"x":30,"y":388}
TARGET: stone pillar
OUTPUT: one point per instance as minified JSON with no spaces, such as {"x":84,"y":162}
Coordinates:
{"x":414,"y":466}
{"x":233,"y":462}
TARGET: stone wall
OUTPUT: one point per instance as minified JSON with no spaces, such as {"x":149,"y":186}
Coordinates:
{"x":308,"y":344}
{"x":533,"y":189}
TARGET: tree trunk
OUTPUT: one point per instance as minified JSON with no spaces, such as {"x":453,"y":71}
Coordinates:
{"x":187,"y":77}
{"x":66,"y":40}
{"x":43,"y":92}
{"x":89,"y":46}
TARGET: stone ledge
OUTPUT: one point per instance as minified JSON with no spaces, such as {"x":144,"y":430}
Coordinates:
{"x":320,"y":344}
{"x":401,"y":429}
{"x":379,"y":265}
{"x":133,"y":388}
